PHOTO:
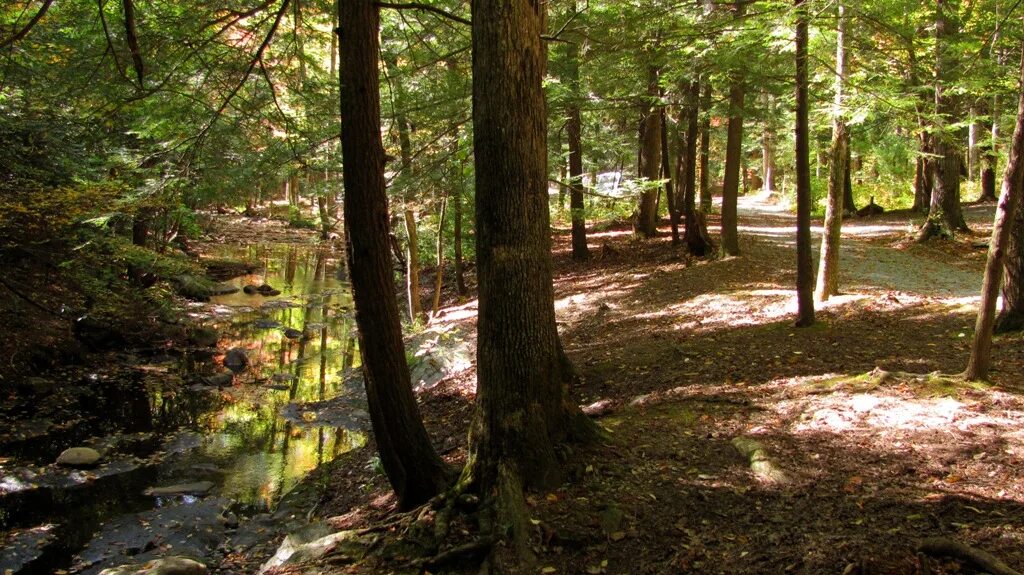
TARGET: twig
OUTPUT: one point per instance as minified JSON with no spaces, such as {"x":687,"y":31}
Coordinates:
{"x":983,"y":560}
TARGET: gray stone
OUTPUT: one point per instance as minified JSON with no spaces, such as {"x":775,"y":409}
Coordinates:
{"x":342,"y":544}
{"x":79,"y":457}
{"x":196,"y":488}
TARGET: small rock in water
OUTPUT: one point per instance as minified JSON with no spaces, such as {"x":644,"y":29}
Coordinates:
{"x":292,"y":333}
{"x":36,"y":386}
{"x":219,"y":379}
{"x":236,"y":360}
{"x":163,"y":566}
{"x":79,"y":457}
{"x":204,"y":337}
{"x":197,"y":488}
{"x":267,"y":290}
{"x":266,"y":324}
{"x":251,"y":289}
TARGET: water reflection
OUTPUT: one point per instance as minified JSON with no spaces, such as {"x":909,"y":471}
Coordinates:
{"x":299,"y":344}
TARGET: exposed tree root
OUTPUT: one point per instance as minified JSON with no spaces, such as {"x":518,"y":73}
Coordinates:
{"x":471,"y":550}
{"x":760,"y":463}
{"x":983,"y":560}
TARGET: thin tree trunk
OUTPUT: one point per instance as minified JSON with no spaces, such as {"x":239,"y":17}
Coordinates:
{"x":972,"y":143}
{"x":460,"y":274}
{"x":767,"y":161}
{"x":574,"y":128}
{"x":697,"y":241}
{"x":439,"y":277}
{"x":412,"y":254}
{"x":666,"y":174}
{"x":650,"y":158}
{"x":705,"y":149}
{"x":414,"y":469}
{"x":804,"y":265}
{"x":1009,"y":196}
{"x":828,"y":263}
{"x":733,"y":157}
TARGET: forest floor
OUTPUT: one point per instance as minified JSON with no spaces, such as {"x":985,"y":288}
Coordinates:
{"x":685,"y":356}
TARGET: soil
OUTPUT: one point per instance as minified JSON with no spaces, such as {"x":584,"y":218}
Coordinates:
{"x":686,"y":355}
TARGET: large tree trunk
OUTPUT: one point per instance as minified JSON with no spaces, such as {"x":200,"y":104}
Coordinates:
{"x":804,"y":265}
{"x":705,"y":149}
{"x":650,"y":158}
{"x":828,"y":263}
{"x":697,"y":241}
{"x":523,"y":407}
{"x":1009,"y":197}
{"x":733,"y":159}
{"x":414,"y":469}
{"x":1011,"y":318}
{"x":944,"y":214}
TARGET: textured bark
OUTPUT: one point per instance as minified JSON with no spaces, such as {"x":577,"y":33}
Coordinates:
{"x":944,"y":214}
{"x":523,"y":408}
{"x":733,"y":159}
{"x":705,"y":149}
{"x":573,"y":129}
{"x":697,"y":241}
{"x":650,"y":157}
{"x":1009,"y":198}
{"x":828,"y":264}
{"x":804,"y":265}
{"x":439,"y":251}
{"x":414,"y":469}
{"x":1011,"y":318}
{"x":671,"y":194}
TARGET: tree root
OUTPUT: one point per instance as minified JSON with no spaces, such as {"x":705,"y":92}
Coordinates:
{"x":983,"y":560}
{"x":471,"y":550}
{"x":760,"y":463}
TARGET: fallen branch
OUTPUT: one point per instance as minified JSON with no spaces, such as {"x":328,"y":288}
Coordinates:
{"x":983,"y":560}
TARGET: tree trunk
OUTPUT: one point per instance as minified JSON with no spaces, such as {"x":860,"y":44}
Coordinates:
{"x":460,"y":274}
{"x":987,"y":165}
{"x":650,"y":158}
{"x":1011,"y":318}
{"x":414,"y":469}
{"x":767,"y":160}
{"x":523,"y":407}
{"x":573,"y":130}
{"x":972,"y":143}
{"x":1009,"y":196}
{"x":804,"y":265}
{"x":697,"y":241}
{"x":412,"y":254}
{"x":828,"y":263}
{"x":705,"y":149}
{"x":669,"y":177}
{"x":439,"y":276}
{"x":733,"y":159}
{"x":944,"y":214}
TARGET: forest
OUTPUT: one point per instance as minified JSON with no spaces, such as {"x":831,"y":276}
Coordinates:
{"x":510,"y":286}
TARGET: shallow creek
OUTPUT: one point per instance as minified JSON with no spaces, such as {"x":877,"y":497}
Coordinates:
{"x":190,"y":449}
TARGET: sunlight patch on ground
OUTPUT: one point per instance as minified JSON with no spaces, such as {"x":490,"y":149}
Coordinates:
{"x":739,"y":308}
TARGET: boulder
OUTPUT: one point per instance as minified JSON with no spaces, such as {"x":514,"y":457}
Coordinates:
{"x":301,"y":547}
{"x":236,"y":360}
{"x":79,"y":457}
{"x":163,"y":566}
{"x":267,"y":290}
{"x":204,"y":336}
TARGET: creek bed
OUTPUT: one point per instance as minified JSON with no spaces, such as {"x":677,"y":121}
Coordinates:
{"x":216,"y":446}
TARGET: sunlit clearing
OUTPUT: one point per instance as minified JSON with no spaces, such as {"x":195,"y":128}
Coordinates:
{"x":739,"y":308}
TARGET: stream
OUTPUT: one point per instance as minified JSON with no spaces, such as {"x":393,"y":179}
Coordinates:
{"x":190,"y":449}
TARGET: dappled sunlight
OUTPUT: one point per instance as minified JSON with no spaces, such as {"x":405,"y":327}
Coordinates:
{"x":733,"y":309}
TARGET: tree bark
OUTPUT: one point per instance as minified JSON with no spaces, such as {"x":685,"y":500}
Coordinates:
{"x":1011,"y":318}
{"x":650,"y":158}
{"x":828,"y":263}
{"x":523,"y":407}
{"x":414,"y":469}
{"x":804,"y":265}
{"x":697,"y":240}
{"x":1009,"y":196}
{"x":574,"y":128}
{"x":439,"y":275}
{"x":767,"y":160}
{"x":733,"y":159}
{"x":705,"y":149}
{"x":672,"y":180}
{"x":944,"y":214}
{"x":460,"y":274}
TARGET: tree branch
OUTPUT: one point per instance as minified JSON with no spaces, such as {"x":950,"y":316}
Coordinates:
{"x":28,"y":27}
